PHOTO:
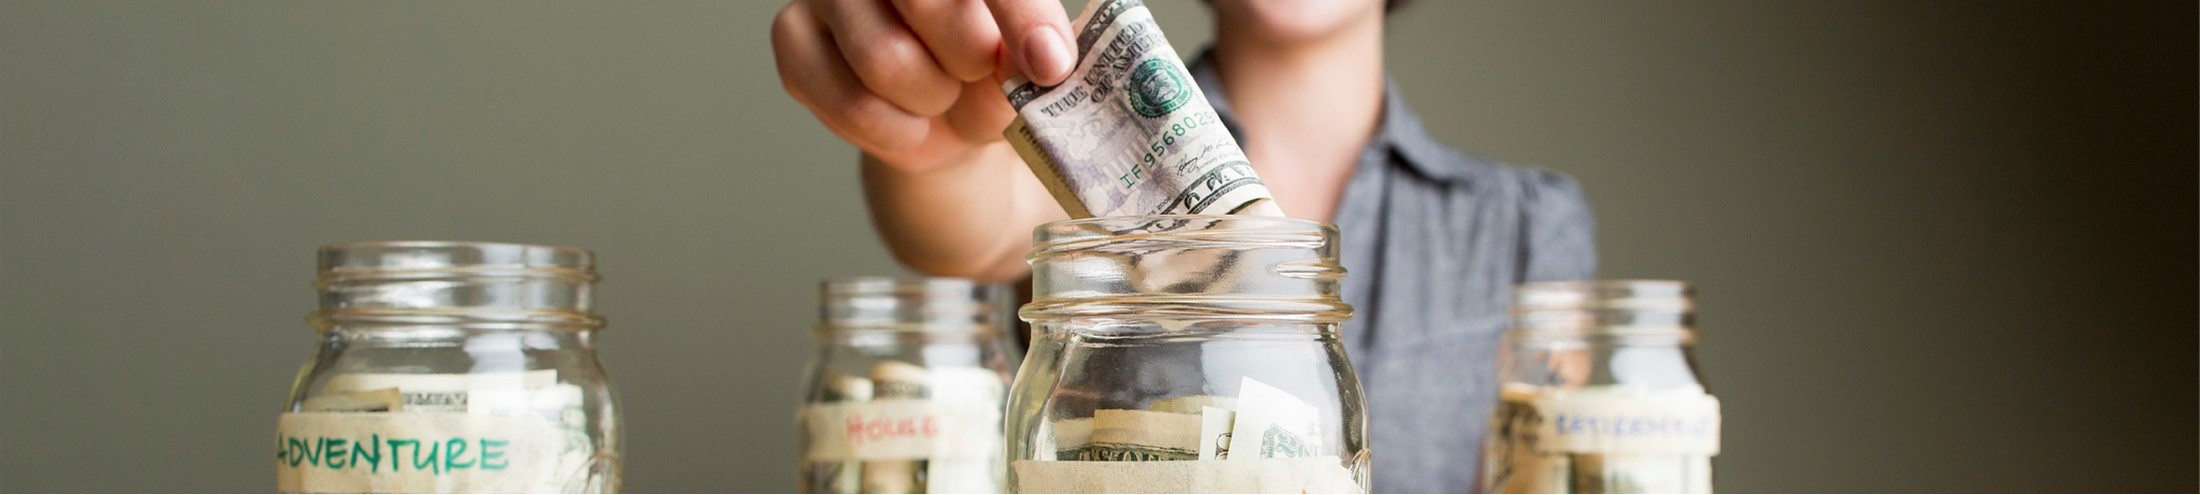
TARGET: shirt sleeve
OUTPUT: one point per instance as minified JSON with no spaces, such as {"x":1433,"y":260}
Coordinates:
{"x":1558,"y":238}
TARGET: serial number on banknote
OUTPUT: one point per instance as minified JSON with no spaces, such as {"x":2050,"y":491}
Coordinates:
{"x":1160,"y":147}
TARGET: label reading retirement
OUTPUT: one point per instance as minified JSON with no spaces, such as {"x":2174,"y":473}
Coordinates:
{"x":1609,"y":424}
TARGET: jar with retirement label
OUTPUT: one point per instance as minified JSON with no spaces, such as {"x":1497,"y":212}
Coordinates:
{"x":905,"y":392}
{"x":1600,"y":393}
{"x":451,"y":367}
{"x":1186,"y":354}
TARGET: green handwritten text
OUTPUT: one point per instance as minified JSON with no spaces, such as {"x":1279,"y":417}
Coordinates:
{"x":437,"y":456}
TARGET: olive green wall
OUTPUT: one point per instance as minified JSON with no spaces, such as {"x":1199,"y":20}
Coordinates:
{"x":1941,"y":246}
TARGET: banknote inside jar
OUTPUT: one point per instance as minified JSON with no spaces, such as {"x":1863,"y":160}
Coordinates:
{"x":905,"y":428}
{"x":1261,"y":441}
{"x":537,"y":423}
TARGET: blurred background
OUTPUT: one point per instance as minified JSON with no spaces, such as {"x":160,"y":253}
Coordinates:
{"x":1940,"y":245}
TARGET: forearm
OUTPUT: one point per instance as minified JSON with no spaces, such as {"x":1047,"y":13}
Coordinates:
{"x":970,"y":220}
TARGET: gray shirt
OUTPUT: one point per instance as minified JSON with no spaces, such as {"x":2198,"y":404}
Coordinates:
{"x":1433,"y":241}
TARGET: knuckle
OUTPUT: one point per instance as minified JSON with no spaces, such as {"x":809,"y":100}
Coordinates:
{"x":787,"y":28}
{"x":788,"y":18}
{"x":889,"y":60}
{"x":970,"y":68}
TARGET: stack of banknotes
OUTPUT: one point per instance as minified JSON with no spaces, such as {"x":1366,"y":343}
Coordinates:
{"x":1265,"y":440}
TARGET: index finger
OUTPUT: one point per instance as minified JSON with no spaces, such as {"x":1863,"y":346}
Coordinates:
{"x":1038,"y":38}
{"x":960,"y":33}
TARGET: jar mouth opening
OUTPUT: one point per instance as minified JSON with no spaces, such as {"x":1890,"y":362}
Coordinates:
{"x":935,"y":305}
{"x":1240,"y":267}
{"x":470,"y":318}
{"x":1594,"y":295}
{"x":889,"y":286}
{"x":1621,"y":309}
{"x":1122,"y":222}
{"x":1624,"y":335}
{"x":428,"y":259}
{"x":1061,"y":236}
{"x":399,"y":281}
{"x":925,"y":330}
{"x":1190,"y":308}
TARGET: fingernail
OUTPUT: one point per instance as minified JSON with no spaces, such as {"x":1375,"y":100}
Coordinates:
{"x":1046,"y":54}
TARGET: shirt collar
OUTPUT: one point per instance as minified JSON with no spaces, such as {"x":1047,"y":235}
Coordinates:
{"x":1400,"y":130}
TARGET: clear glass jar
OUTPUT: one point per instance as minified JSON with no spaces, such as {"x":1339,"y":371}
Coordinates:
{"x":451,"y":367}
{"x":905,"y":392}
{"x":1187,"y":354}
{"x":1600,"y":393}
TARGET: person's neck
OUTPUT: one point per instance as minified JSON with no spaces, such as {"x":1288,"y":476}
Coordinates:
{"x":1307,"y":109}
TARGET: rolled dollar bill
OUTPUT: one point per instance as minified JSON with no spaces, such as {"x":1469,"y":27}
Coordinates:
{"x":1192,"y":404}
{"x":843,"y":387}
{"x":1067,"y":438}
{"x":894,"y":380}
{"x":377,"y":400}
{"x":1129,"y":132}
{"x":962,"y":474}
{"x":1214,"y":433}
{"x":842,"y":476}
{"x":1127,"y":435}
{"x":480,"y":393}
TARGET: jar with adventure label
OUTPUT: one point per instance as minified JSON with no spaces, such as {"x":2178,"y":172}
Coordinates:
{"x":1187,"y":354}
{"x":904,"y":394}
{"x":451,"y":367}
{"x":1600,"y":393}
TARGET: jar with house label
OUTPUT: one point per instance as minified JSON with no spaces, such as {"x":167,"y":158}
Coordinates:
{"x":1600,"y":393}
{"x":1187,"y":354}
{"x":904,"y":394}
{"x":451,"y":367}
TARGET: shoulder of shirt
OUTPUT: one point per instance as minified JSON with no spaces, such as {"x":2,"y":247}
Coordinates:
{"x":1408,"y":143}
{"x":1430,"y":159}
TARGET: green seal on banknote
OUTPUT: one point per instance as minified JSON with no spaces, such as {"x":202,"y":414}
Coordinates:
{"x":1278,"y":443}
{"x":1159,"y":87}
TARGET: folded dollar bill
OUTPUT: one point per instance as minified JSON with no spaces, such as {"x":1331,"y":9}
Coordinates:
{"x":1126,"y":435}
{"x":1270,"y":424}
{"x":1130,"y":133}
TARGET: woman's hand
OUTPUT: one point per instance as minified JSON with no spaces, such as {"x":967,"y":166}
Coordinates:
{"x":916,"y":83}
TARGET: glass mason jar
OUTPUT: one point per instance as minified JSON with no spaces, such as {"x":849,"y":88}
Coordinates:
{"x":1186,"y":354}
{"x":905,"y":392}
{"x":451,"y":367}
{"x":1600,"y":393}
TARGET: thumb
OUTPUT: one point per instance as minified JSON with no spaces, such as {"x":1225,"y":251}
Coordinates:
{"x":1038,"y":39}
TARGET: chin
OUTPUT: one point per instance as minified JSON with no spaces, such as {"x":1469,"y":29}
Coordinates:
{"x":1286,"y":21}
